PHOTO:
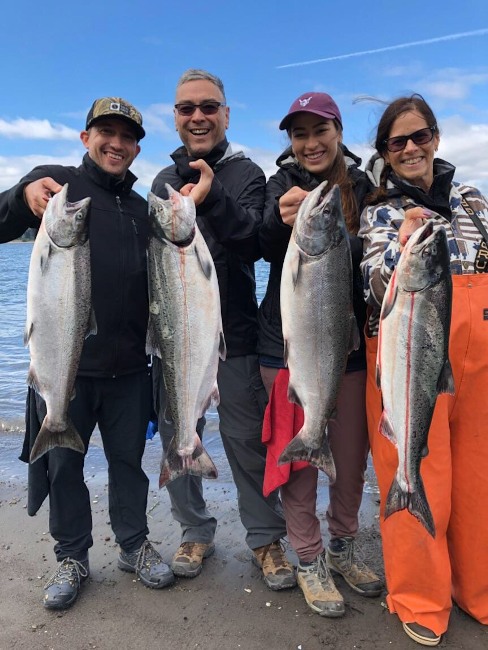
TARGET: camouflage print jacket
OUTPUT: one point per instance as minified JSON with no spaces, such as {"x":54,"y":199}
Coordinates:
{"x":380,"y":224}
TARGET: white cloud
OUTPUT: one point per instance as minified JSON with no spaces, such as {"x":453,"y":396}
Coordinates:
{"x":12,"y":169}
{"x":36,"y":130}
{"x":158,"y":118}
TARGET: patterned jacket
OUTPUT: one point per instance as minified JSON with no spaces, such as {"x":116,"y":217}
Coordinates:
{"x":380,"y":224}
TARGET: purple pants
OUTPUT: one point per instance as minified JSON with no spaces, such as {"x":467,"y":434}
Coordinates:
{"x":348,"y":438}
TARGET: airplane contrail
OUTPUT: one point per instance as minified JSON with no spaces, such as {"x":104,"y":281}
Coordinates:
{"x":439,"y":39}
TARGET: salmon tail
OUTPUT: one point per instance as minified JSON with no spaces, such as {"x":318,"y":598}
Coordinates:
{"x":320,"y":457}
{"x":174,"y":465}
{"x":415,"y":502}
{"x":47,"y":440}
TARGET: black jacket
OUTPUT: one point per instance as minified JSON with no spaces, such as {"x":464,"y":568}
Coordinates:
{"x":274,"y":238}
{"x":229,"y":220}
{"x":118,"y":231}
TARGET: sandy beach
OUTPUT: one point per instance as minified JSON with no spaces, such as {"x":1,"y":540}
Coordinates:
{"x":227,"y":607}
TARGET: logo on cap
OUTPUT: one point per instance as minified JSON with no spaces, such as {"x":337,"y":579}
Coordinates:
{"x":304,"y":102}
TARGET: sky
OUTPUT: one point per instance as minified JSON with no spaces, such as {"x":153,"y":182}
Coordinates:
{"x":57,"y":57}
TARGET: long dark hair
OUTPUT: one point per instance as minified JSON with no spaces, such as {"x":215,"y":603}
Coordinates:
{"x":396,"y":108}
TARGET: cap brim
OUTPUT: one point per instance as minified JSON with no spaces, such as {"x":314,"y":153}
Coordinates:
{"x":139,"y":131}
{"x":285,"y":122}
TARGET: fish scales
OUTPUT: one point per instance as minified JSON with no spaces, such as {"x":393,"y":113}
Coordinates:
{"x":185,"y":328}
{"x":319,"y":326}
{"x":412,"y":364}
{"x":59,"y":316}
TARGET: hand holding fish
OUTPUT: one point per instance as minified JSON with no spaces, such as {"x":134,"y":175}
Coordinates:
{"x":38,"y":193}
{"x":198,"y":191}
{"x":414,"y":219}
{"x":290,"y":202}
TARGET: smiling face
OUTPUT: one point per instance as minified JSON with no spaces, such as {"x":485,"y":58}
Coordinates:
{"x":112,"y":144}
{"x":414,"y":163}
{"x":201,"y":133}
{"x":314,"y":141}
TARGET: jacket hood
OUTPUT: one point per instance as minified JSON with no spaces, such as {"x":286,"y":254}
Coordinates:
{"x":437,"y":198}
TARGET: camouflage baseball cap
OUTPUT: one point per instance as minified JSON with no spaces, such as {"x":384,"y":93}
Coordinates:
{"x":115,"y":107}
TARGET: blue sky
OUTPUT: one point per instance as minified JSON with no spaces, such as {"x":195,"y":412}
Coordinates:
{"x":57,"y":57}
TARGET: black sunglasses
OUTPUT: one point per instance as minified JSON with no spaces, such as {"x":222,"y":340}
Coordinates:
{"x":207,"y":108}
{"x":399,"y":142}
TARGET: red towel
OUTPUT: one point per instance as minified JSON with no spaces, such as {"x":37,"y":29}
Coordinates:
{"x":282,"y":421}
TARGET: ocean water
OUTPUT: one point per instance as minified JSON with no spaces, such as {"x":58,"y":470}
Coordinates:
{"x":14,"y":357}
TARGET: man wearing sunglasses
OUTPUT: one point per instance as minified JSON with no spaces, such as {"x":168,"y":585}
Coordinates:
{"x":228,"y":190}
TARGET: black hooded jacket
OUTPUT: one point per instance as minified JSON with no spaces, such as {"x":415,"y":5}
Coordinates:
{"x":118,"y":226}
{"x":229,"y":220}
{"x":274,"y":238}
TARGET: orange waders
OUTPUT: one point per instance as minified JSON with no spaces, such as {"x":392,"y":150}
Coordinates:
{"x":422,"y":573}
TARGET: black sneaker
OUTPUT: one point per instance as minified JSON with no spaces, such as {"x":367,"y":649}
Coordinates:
{"x":148,"y":565}
{"x":63,"y":587}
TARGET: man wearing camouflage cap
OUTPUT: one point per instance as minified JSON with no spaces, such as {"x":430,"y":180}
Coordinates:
{"x":113,"y":387}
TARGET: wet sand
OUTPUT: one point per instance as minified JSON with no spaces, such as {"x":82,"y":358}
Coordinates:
{"x":227,"y":607}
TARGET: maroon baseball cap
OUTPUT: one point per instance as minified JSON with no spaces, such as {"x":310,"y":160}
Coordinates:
{"x":319,"y":103}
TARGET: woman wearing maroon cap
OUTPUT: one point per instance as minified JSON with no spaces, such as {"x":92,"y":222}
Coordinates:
{"x":315,"y":154}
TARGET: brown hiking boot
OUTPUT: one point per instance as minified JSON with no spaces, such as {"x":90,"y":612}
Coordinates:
{"x":188,"y":559}
{"x":278,"y":573}
{"x":319,"y":589}
{"x":340,"y":559}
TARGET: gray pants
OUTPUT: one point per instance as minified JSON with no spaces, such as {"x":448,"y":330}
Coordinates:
{"x":242,"y":403}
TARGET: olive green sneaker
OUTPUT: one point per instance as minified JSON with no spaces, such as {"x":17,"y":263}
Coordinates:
{"x":318,"y":587}
{"x":340,"y":559}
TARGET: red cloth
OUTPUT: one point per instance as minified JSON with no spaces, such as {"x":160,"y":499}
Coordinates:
{"x":282,"y":421}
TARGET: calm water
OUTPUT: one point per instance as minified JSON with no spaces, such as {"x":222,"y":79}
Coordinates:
{"x":14,"y":357}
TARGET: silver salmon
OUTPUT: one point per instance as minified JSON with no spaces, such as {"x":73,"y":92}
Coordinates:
{"x":59,"y":316}
{"x":412,"y":364}
{"x":185,"y":328}
{"x":319,"y":326}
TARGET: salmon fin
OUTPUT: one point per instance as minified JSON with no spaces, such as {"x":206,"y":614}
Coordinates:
{"x":386,"y":429}
{"x":445,"y":383}
{"x":204,"y":260}
{"x":320,"y":457}
{"x":390,"y":297}
{"x":198,"y":463}
{"x":47,"y":440}
{"x":378,"y":376}
{"x":44,"y":256}
{"x":292,"y":396}
{"x":29,"y":327}
{"x":32,"y":381}
{"x":285,"y":353}
{"x":295,"y":263}
{"x":92,"y":328}
{"x":424,"y":452}
{"x":222,"y":346}
{"x":355,"y":339}
{"x":152,"y":345}
{"x":415,"y":502}
{"x":214,"y":397}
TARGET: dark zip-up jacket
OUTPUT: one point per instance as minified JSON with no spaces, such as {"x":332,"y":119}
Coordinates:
{"x":229,"y":220}
{"x":118,"y":232}
{"x":274,"y":238}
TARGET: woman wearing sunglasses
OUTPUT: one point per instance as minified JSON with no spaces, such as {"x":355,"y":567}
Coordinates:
{"x":422,"y":571}
{"x":315,"y":154}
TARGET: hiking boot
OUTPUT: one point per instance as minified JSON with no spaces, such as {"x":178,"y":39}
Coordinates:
{"x":188,"y":559}
{"x":319,"y":589}
{"x":63,"y":587}
{"x":421,"y":634}
{"x":340,"y":559}
{"x":278,"y":573}
{"x":148,"y":565}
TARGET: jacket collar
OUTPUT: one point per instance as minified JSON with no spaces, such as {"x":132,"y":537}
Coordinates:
{"x":106,"y":180}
